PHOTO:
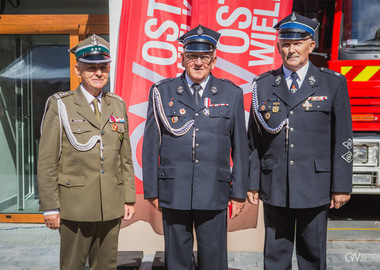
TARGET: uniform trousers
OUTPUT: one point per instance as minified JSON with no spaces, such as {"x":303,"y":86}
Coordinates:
{"x":310,"y":227}
{"x":211,"y":232}
{"x":97,"y":241}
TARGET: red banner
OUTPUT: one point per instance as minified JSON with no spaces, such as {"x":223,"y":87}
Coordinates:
{"x":148,"y":49}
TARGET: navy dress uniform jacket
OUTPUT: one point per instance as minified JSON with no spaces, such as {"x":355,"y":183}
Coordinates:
{"x":193,"y":171}
{"x":301,"y":170}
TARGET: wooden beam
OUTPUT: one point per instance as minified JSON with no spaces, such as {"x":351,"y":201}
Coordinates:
{"x":21,"y":218}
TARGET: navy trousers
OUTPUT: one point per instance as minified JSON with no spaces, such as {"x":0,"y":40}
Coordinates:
{"x":309,"y":229}
{"x":211,"y":232}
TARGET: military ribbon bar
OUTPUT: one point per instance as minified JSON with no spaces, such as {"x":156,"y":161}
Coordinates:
{"x":114,"y":119}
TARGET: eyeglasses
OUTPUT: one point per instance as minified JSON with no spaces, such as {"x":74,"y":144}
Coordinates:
{"x":205,"y":58}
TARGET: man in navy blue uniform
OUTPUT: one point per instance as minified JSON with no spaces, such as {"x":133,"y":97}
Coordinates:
{"x":300,"y":136}
{"x":195,"y":122}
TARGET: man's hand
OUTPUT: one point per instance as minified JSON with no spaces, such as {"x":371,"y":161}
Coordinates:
{"x":154,"y":202}
{"x":129,"y":211}
{"x":237,"y":206}
{"x":53,"y":221}
{"x":339,"y":199}
{"x":253,"y":196}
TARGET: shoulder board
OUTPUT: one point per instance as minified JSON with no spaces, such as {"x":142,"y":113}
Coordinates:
{"x":163,"y":81}
{"x":331,"y":72}
{"x":113,"y":95}
{"x":263,"y":75}
{"x":64,"y":94}
{"x":229,"y":81}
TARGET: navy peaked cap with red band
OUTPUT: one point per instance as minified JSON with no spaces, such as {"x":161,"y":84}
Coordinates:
{"x":296,"y":26}
{"x":199,"y":39}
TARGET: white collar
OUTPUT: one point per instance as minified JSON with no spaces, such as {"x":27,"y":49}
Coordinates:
{"x":90,"y":97}
{"x":190,"y":82}
{"x":301,"y":72}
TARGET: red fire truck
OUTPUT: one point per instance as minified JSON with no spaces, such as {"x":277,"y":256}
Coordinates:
{"x":348,"y":42}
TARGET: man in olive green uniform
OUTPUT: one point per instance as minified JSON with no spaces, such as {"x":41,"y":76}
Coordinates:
{"x":85,"y":172}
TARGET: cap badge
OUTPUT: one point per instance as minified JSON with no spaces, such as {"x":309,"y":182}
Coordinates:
{"x":200,"y":31}
{"x":293,"y":18}
{"x":95,"y":41}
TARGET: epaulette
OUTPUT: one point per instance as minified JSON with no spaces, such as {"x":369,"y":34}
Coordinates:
{"x":331,"y":72}
{"x":229,"y":81}
{"x":113,"y":95}
{"x":163,"y":81}
{"x":64,"y":94}
{"x":263,"y":75}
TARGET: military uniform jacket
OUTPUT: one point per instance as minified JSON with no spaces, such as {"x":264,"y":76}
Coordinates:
{"x":193,"y":171}
{"x":303,"y":168}
{"x":81,"y":184}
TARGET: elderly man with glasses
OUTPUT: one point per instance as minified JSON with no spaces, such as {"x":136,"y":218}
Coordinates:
{"x":195,"y":122}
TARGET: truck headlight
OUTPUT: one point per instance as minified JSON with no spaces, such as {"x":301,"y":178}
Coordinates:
{"x":366,"y":154}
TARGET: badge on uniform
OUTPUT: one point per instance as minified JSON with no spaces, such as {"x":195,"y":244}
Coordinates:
{"x":171,"y":102}
{"x":182,"y":111}
{"x":114,"y":119}
{"x":317,"y":98}
{"x":307,"y":105}
{"x":121,"y":136}
{"x":267,"y":115}
{"x":206,"y":111}
{"x":115,"y":127}
{"x":175,"y":119}
{"x":276,"y":107}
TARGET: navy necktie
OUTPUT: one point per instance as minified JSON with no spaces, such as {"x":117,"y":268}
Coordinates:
{"x":294,"y":86}
{"x":196,"y":87}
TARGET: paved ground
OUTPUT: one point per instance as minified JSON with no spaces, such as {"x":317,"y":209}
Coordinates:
{"x":33,"y":246}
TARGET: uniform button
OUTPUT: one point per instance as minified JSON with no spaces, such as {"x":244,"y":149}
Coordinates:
{"x":291,"y":162}
{"x":197,"y":145}
{"x":196,"y":161}
{"x":318,"y":106}
{"x":102,"y":171}
{"x":197,"y":129}
{"x":162,"y":174}
{"x":68,"y":183}
{"x":292,"y":146}
{"x":78,"y":129}
{"x":102,"y":132}
{"x":103,"y":159}
{"x":197,"y":114}
{"x":221,"y":113}
{"x":291,"y":112}
{"x":291,"y":129}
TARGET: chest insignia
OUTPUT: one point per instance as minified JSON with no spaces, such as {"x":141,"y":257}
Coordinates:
{"x":307,"y":105}
{"x":206,"y":112}
{"x":317,"y":98}
{"x":114,"y":119}
{"x":175,"y":119}
{"x":171,"y":102}
{"x":78,"y":120}
{"x":348,"y":157}
{"x":114,"y":127}
{"x":275,"y":108}
{"x":182,"y":111}
{"x":267,"y":115}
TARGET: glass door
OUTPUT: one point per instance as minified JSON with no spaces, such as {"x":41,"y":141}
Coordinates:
{"x":35,"y":67}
